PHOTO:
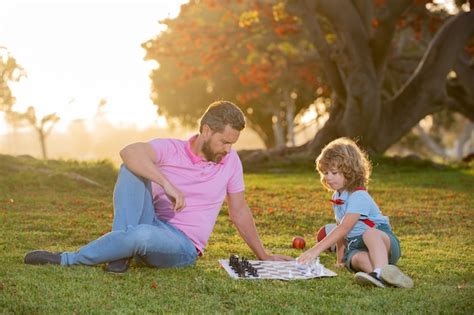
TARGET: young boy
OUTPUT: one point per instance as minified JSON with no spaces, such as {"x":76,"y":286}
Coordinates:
{"x":372,"y":249}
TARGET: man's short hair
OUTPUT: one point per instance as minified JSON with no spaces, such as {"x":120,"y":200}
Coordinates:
{"x":222,"y":113}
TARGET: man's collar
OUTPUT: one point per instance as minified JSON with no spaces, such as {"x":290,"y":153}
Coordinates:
{"x":196,"y":158}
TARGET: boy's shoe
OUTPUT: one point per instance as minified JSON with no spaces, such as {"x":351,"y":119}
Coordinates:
{"x":369,"y":279}
{"x":394,"y":276}
{"x":42,"y":257}
{"x":118,"y":266}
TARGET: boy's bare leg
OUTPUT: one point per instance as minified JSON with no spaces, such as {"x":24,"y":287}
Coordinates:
{"x":361,"y":262}
{"x":378,"y":244}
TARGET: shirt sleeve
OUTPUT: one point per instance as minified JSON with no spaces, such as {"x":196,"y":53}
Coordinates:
{"x":236,"y":180}
{"x":163,"y":148}
{"x":359,"y":202}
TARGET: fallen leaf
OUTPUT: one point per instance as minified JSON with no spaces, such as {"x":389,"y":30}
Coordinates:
{"x":462,"y":286}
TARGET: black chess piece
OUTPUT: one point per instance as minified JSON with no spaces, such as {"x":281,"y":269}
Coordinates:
{"x":242,"y":267}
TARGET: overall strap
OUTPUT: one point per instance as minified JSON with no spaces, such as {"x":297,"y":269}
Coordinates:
{"x":369,"y":223}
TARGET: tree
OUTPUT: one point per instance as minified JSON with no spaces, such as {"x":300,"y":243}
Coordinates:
{"x":364,"y":37}
{"x":357,"y":48}
{"x":43,"y":126}
{"x":250,"y":52}
{"x":10,"y":71}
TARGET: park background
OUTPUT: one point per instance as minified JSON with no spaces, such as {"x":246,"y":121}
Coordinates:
{"x":81,"y":66}
{"x":82,"y":79}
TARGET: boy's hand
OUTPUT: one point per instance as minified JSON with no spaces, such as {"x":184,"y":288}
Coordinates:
{"x":339,"y":265}
{"x":308,"y":256}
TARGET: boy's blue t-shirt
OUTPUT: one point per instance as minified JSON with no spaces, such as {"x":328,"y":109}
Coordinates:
{"x":359,"y":202}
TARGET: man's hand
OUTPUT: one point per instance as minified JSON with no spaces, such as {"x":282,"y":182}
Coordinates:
{"x":277,"y":257}
{"x":140,"y":158}
{"x":176,"y":196}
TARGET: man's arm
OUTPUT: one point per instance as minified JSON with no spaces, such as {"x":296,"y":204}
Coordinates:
{"x":243,"y":220}
{"x":140,"y":159}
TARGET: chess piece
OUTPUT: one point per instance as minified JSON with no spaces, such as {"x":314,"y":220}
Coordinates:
{"x":242,"y":267}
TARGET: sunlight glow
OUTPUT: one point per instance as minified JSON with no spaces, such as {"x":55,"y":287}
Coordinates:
{"x":77,"y":53}
{"x":309,"y":115}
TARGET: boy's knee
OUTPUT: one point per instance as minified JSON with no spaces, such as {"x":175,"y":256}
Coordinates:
{"x":369,"y":233}
{"x":359,"y":261}
{"x":373,"y":232}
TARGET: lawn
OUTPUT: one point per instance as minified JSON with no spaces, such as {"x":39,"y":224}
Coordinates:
{"x":61,"y":205}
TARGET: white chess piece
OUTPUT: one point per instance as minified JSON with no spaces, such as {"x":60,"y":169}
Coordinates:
{"x":318,"y":267}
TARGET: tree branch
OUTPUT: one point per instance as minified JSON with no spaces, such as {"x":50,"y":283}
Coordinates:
{"x":330,"y":68}
{"x":366,"y":11}
{"x":349,"y":25}
{"x":425,"y":137}
{"x":424,"y":92}
{"x":363,"y":88}
{"x":389,"y":15}
{"x":460,"y":93}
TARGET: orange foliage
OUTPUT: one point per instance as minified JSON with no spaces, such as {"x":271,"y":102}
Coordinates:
{"x":380,"y":3}
{"x":375,"y":23}
{"x":470,"y":50}
{"x":286,"y":29}
{"x":401,"y":23}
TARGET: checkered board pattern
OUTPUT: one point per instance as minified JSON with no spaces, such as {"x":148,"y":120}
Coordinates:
{"x":279,"y":270}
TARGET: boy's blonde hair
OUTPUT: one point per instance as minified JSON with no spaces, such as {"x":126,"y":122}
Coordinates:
{"x":346,"y":157}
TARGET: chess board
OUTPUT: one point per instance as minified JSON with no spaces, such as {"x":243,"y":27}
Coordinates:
{"x":279,"y":270}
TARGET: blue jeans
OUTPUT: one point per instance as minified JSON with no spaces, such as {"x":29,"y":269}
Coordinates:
{"x":136,"y":231}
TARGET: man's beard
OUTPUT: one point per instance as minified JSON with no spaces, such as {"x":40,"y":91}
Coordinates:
{"x":211,"y":155}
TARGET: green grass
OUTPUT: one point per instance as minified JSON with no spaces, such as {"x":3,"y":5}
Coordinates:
{"x":42,"y":207}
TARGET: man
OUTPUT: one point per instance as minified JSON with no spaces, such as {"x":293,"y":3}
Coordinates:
{"x":167,"y":198}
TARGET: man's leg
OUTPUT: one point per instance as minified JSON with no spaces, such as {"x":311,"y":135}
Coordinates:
{"x":158,"y":244}
{"x":133,"y":205}
{"x":165,"y":246}
{"x":133,"y":201}
{"x":136,"y":232}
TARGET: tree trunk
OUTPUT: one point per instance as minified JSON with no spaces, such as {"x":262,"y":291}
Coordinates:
{"x":466,"y":136}
{"x":354,"y":66}
{"x":290,"y":118}
{"x":378,"y":125}
{"x":42,"y":140}
{"x":278,"y":132}
{"x":265,"y":132}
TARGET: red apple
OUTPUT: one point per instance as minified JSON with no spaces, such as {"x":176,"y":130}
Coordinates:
{"x":298,"y":242}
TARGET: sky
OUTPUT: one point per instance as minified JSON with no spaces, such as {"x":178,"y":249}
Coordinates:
{"x":76,"y":53}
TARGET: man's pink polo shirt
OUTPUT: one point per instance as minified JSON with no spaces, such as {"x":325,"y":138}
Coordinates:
{"x":204,"y":185}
